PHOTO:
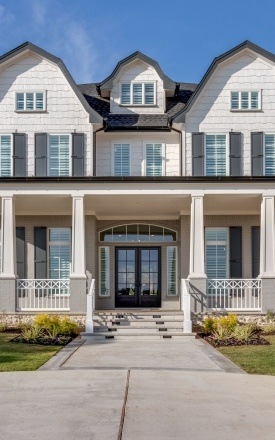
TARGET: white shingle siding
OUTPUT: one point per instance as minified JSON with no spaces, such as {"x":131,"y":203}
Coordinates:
{"x":64,"y":111}
{"x":211,"y":112}
{"x":138,"y":71}
{"x":105,"y":143}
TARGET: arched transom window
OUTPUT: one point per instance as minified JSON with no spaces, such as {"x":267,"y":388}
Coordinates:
{"x":140,"y":233}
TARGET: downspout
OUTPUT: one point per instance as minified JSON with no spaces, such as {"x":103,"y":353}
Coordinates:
{"x":180,"y":133}
{"x":94,"y":145}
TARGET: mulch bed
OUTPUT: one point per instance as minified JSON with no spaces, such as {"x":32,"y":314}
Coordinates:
{"x":45,"y":340}
{"x":232,"y":342}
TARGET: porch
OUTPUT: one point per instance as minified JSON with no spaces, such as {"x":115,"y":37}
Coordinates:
{"x":220,"y":283}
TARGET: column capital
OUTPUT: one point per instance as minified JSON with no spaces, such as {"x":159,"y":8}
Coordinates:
{"x":198,"y":195}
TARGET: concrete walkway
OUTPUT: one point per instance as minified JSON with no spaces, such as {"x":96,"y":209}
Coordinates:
{"x":138,"y":390}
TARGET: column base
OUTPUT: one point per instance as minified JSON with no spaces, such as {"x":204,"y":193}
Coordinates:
{"x":78,"y":295}
{"x":198,"y":291}
{"x":268,"y":294}
{"x":7,"y":295}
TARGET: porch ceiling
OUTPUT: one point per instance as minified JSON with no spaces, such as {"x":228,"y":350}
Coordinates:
{"x":142,"y":207}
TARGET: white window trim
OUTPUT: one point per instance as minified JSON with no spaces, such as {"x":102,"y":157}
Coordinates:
{"x":227,"y":151}
{"x":167,"y":272}
{"x":131,"y":104}
{"x":249,"y":109}
{"x":140,"y":242}
{"x":107,"y":248}
{"x":113,"y":157}
{"x":144,"y":165}
{"x":25,"y":101}
{"x":218,"y":243}
{"x":48,"y":152}
{"x":11,"y":152}
{"x":57,"y":243}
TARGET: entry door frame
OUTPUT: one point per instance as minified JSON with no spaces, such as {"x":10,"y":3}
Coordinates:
{"x":141,"y":301}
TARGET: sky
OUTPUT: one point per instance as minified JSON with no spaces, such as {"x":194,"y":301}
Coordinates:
{"x":91,"y":36}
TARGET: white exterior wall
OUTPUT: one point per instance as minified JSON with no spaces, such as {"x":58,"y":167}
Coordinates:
{"x":211,"y":112}
{"x":137,"y":141}
{"x":64,"y":112}
{"x":137,"y":71}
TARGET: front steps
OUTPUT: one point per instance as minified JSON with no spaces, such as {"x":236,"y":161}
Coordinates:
{"x":151,"y":323}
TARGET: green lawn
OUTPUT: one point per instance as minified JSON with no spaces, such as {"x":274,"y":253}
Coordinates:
{"x":253,"y":359}
{"x":23,"y":357}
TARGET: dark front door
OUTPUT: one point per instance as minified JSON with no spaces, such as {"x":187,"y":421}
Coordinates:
{"x":138,"y":277}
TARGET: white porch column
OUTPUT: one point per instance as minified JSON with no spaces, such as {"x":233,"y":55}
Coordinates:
{"x":78,"y":269}
{"x":267,"y":247}
{"x":8,"y":266}
{"x":197,"y":239}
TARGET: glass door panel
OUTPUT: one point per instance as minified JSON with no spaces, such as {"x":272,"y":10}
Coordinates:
{"x":126,"y":277}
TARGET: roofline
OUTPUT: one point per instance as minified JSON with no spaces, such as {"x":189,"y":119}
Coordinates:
{"x":107,"y":83}
{"x":94,"y":117}
{"x":180,"y":116}
{"x":141,"y":179}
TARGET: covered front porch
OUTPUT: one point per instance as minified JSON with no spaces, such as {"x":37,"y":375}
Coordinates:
{"x":53,"y":245}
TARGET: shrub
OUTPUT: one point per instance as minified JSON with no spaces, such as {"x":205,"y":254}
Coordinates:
{"x":245,"y":333}
{"x":3,"y":327}
{"x":269,"y":329}
{"x":270,"y":314}
{"x":221,"y":334}
{"x":209,"y":324}
{"x":32,"y":332}
{"x":55,"y":325}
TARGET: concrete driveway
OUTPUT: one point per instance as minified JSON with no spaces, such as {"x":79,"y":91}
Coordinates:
{"x":138,"y":390}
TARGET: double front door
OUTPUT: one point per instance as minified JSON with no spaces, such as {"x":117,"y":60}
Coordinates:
{"x":138,"y":277}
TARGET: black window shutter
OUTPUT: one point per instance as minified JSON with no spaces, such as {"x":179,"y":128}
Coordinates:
{"x":41,"y":154}
{"x":255,"y":251}
{"x":235,"y":234}
{"x":198,"y":154}
{"x":40,"y":252}
{"x":235,"y":154}
{"x":20,"y":251}
{"x":257,"y":153}
{"x":19,"y":155}
{"x":78,"y":154}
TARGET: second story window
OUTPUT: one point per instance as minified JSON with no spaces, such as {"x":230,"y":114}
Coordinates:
{"x":215,"y":155}
{"x":30,"y":101}
{"x":59,"y":155}
{"x":138,"y":93}
{"x":121,"y":160}
{"x":5,"y":156}
{"x":269,"y":155}
{"x":153,"y":160}
{"x":246,"y":100}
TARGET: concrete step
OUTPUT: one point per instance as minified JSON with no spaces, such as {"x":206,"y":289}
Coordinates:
{"x":147,"y":330}
{"x":138,"y":324}
{"x":102,"y":336}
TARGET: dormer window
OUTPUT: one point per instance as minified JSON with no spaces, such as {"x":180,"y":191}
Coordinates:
{"x":138,"y":93}
{"x":30,"y":102}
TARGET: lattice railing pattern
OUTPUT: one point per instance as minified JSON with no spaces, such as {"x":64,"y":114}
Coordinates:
{"x":45,"y":294}
{"x":234,"y":294}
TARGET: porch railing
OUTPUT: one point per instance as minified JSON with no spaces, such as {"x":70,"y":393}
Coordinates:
{"x":89,"y":325}
{"x":42,"y":295}
{"x":186,"y":306}
{"x":234,"y":294}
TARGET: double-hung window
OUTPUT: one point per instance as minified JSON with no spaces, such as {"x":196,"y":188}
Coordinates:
{"x":59,"y":253}
{"x":216,"y":252}
{"x":5,"y":155}
{"x":154,"y":159}
{"x":269,"y":154}
{"x":215,"y":155}
{"x":121,"y":160}
{"x":30,"y":101}
{"x":138,"y":93}
{"x":59,"y":155}
{"x":246,"y":100}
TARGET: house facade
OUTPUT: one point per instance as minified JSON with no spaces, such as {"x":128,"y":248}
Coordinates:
{"x":149,"y":187}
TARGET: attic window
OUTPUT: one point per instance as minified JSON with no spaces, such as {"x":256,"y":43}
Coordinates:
{"x":246,"y":100}
{"x":138,"y":93}
{"x":30,"y":101}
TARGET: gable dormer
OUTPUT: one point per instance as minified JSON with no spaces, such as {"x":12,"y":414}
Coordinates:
{"x":137,"y":85}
